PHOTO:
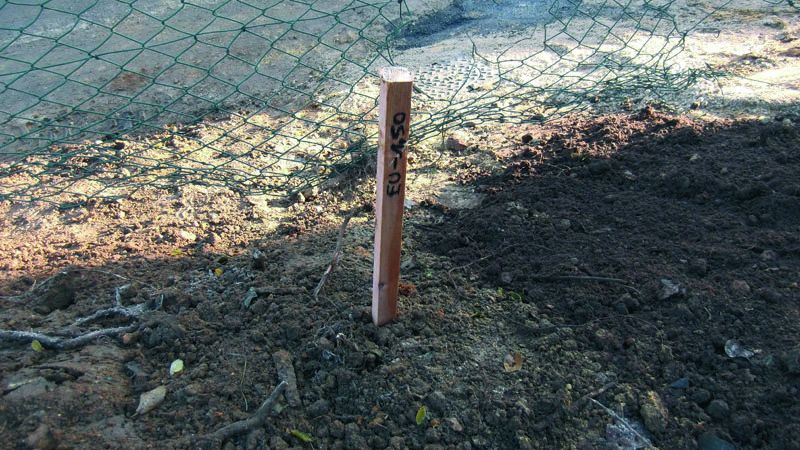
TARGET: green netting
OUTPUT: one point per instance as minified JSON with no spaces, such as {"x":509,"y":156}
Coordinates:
{"x":102,"y":98}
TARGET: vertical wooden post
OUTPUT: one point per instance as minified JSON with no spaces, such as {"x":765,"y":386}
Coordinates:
{"x":394,"y":117}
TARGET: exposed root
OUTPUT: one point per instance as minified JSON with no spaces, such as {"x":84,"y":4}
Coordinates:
{"x":73,"y":340}
{"x":258,"y":419}
{"x":62,"y":343}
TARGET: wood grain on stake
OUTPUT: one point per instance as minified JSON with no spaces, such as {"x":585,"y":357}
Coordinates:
{"x":394,"y":117}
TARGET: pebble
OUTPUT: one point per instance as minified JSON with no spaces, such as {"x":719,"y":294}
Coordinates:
{"x":710,"y":441}
{"x":149,"y":400}
{"x":740,"y":287}
{"x":670,"y":289}
{"x":437,"y":402}
{"x":698,"y":266}
{"x":654,"y":413}
{"x":188,"y":235}
{"x":718,"y":409}
{"x":700,"y":396}
{"x":564,"y":224}
{"x":454,"y":424}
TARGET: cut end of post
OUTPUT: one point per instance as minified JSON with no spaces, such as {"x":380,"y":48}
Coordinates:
{"x":396,"y":74}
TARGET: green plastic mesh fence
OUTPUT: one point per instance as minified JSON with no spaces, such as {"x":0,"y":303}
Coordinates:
{"x":100,"y":98}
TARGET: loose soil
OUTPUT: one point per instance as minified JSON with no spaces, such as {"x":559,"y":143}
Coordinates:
{"x":598,"y":268}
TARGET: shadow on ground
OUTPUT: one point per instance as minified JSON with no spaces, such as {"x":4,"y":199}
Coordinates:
{"x":609,"y":264}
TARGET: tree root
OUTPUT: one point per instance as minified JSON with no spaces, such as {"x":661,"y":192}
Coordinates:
{"x":256,"y":420}
{"x":72,"y":340}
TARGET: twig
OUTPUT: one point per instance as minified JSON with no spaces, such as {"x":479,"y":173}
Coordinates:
{"x":258,"y":419}
{"x":119,"y":310}
{"x":337,"y":255}
{"x":624,"y":283}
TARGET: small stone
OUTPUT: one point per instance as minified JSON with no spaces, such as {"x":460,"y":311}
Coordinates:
{"x":654,"y":413}
{"x":681,"y":383}
{"x":740,"y":287}
{"x":438,"y":402}
{"x":527,"y":138}
{"x":718,"y":409}
{"x":710,"y":441}
{"x":42,"y":438}
{"x":700,"y":396}
{"x":506,"y":277}
{"x":454,"y":424}
{"x":670,"y":289}
{"x":188,"y":235}
{"x":149,"y":400}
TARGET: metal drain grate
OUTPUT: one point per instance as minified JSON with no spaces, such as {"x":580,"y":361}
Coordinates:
{"x":454,"y":78}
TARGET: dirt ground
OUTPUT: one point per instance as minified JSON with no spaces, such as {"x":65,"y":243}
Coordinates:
{"x":579,"y":286}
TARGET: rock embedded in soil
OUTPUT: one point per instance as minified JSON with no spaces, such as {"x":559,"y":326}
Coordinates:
{"x":187,"y":235}
{"x":740,"y":287}
{"x":149,"y":400}
{"x":698,"y":266}
{"x":654,"y":414}
{"x":670,"y":289}
{"x":718,"y":409}
{"x":700,"y":396}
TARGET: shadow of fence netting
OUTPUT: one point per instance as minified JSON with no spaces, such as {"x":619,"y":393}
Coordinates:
{"x":99,"y":99}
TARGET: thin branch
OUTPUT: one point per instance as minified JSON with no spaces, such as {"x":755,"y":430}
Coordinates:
{"x":624,"y":283}
{"x":337,"y":255}
{"x":258,"y":419}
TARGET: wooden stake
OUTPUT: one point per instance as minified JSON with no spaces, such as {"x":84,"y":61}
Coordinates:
{"x":394,"y":117}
